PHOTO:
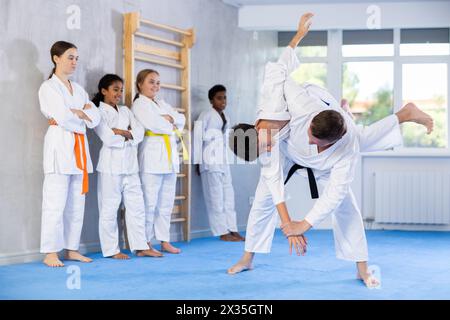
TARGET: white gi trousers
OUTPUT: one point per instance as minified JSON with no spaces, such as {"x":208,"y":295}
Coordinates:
{"x":159,"y":195}
{"x":219,"y":199}
{"x":62,"y":212}
{"x":111,"y":190}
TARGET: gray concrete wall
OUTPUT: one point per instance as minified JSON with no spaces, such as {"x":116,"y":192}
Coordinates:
{"x":223,"y":54}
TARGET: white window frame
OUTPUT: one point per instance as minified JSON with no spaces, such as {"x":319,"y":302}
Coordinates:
{"x":335,"y":61}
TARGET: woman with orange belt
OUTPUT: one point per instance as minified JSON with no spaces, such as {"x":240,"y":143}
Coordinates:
{"x":67,"y":161}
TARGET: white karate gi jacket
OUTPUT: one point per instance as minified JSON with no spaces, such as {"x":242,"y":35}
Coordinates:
{"x":213,"y":142}
{"x":55,"y":102}
{"x":118,"y":156}
{"x":152,"y":151}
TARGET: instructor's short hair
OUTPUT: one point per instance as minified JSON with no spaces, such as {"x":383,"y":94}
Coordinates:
{"x":328,"y":125}
{"x":243,"y":141}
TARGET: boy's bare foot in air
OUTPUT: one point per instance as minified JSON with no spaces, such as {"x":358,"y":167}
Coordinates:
{"x":411,"y":113}
{"x":52,"y":260}
{"x":166,"y":246}
{"x":76,"y":256}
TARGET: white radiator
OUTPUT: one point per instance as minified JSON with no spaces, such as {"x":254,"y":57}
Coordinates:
{"x":412,"y":197}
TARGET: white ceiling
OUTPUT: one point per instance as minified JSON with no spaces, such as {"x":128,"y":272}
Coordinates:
{"x":240,"y":3}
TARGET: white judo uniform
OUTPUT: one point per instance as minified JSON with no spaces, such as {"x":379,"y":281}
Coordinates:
{"x":118,"y":180}
{"x":159,"y":163}
{"x":63,"y":201}
{"x":284,"y":99}
{"x":215,"y":173}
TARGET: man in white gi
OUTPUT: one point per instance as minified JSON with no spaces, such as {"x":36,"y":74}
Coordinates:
{"x":319,"y":136}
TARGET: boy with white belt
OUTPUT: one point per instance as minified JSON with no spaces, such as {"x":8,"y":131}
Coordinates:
{"x":214,"y":169}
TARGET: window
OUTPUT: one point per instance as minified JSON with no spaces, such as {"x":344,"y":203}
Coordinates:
{"x":363,"y":43}
{"x":367,"y":83}
{"x":369,"y":59}
{"x":315,"y":73}
{"x":313,"y":45}
{"x":425,"y":84}
{"x":379,"y":71}
{"x":312,"y":53}
{"x":368,"y":87}
{"x":424,"y":42}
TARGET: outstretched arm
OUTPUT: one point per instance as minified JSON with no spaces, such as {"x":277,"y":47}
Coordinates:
{"x":272,"y":104}
{"x":302,"y":30}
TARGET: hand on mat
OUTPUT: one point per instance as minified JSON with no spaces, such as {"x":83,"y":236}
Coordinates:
{"x":299,"y":243}
{"x":295,"y":228}
{"x":304,"y":24}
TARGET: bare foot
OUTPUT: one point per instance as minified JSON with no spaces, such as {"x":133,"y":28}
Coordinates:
{"x":52,"y":260}
{"x":366,"y":276}
{"x":76,"y":256}
{"x":120,"y":256}
{"x":369,"y":280}
{"x":411,"y":113}
{"x":244,"y":264}
{"x":237,"y":236}
{"x":239,"y":267}
{"x":166,"y":246}
{"x":229,"y":237}
{"x":149,"y":253}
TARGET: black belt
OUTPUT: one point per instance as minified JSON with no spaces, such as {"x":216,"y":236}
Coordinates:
{"x":311,"y":178}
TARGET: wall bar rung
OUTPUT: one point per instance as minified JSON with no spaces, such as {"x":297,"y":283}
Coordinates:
{"x":143,"y":48}
{"x":159,"y":39}
{"x":172,"y":86}
{"x":160,"y":62}
{"x":165,"y":27}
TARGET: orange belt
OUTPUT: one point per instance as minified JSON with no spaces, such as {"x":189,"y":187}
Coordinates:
{"x":80,"y":151}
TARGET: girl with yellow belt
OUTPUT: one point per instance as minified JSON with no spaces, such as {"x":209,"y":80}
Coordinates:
{"x":158,"y":156}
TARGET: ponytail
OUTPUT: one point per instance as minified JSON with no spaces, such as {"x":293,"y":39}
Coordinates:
{"x":99,"y":97}
{"x":136,"y":97}
{"x":53,"y":72}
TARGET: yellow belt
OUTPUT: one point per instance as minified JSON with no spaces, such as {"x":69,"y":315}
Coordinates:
{"x":166,"y":138}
